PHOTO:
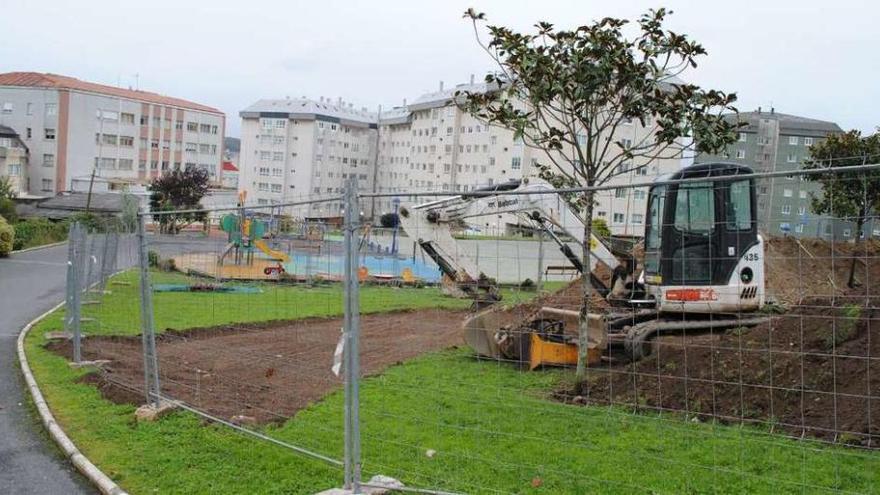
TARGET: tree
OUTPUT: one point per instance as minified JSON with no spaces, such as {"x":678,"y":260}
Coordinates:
{"x":850,"y":196}
{"x":600,"y":227}
{"x":567,"y":92}
{"x":389,"y":220}
{"x":6,"y":189}
{"x":178,"y":190}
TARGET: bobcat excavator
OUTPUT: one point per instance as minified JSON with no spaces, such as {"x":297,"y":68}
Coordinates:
{"x":703,"y":266}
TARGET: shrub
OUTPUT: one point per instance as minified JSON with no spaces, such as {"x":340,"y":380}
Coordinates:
{"x":153,"y":258}
{"x":7,"y":237}
{"x":38,"y":232}
{"x":7,"y":210}
{"x":600,"y":228}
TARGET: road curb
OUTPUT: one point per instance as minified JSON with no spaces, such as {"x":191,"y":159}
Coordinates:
{"x":44,"y":246}
{"x":103,"y":482}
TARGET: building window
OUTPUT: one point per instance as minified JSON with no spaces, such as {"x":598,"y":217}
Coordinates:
{"x":637,"y":218}
{"x":847,"y":233}
{"x":786,"y":209}
{"x":741,"y":154}
{"x":802,"y":210}
{"x":154,"y":143}
{"x":620,"y":192}
{"x":127,"y":118}
{"x":639,"y":194}
{"x":278,"y":156}
{"x":30,"y":108}
{"x":802,"y":194}
{"x":191,"y":147}
{"x":107,"y":115}
{"x":46,"y":185}
{"x":48,"y":160}
{"x":125,"y":163}
{"x":743,"y":137}
{"x":787,"y":193}
{"x":49,"y":134}
{"x":618,"y":218}
{"x":785,"y":227}
{"x":791,"y":158}
{"x":127,"y":141}
{"x":799,"y":228}
{"x":142,"y":165}
{"x":154,"y":165}
{"x":29,"y":133}
{"x":793,"y":140}
{"x":192,"y":127}
{"x":808,"y":141}
{"x":8,"y":108}
{"x":515,"y":163}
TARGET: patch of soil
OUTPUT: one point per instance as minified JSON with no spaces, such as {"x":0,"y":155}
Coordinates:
{"x":814,"y":370}
{"x":814,"y":267}
{"x":265,"y":371}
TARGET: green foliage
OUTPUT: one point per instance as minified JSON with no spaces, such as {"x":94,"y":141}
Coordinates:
{"x":128,"y":217}
{"x":178,"y":190}
{"x":7,"y":237}
{"x":6,"y":189}
{"x":600,"y":227}
{"x":34,"y":232}
{"x":852,"y":195}
{"x":567,"y":92}
{"x":844,"y":327}
{"x":152,"y":258}
{"x":7,"y":210}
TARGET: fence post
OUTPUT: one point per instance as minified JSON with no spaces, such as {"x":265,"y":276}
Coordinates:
{"x":74,"y":261}
{"x":352,"y":340}
{"x":151,"y":368}
{"x":540,"y":279}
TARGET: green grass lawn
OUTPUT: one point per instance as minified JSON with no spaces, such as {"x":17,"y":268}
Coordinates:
{"x":492,"y":427}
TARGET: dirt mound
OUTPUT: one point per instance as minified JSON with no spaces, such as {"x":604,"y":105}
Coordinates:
{"x":264,"y":371}
{"x":814,"y":370}
{"x":816,"y":268}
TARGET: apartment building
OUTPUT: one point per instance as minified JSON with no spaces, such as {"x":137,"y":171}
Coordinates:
{"x":772,"y":141}
{"x":427,"y":145}
{"x":127,"y":136}
{"x":292,"y":149}
{"x":13,"y":160}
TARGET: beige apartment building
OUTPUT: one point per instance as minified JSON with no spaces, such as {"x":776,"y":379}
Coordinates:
{"x":13,"y":160}
{"x":292,"y":149}
{"x":428,"y":145}
{"x":126,"y":136}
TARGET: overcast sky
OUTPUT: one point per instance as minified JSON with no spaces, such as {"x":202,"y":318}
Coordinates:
{"x":810,"y":58}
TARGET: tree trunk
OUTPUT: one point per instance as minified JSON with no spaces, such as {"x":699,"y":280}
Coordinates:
{"x":852,"y":267}
{"x":587,"y":293}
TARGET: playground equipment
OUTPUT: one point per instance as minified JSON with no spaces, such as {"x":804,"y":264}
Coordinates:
{"x":244,"y":234}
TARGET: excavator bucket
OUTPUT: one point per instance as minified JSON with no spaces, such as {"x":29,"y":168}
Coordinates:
{"x":550,"y":339}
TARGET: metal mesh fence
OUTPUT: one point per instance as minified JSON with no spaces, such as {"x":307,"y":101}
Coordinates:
{"x":726,"y":349}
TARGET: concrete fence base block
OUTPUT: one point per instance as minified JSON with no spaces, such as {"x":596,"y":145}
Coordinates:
{"x":149,"y":412}
{"x":58,"y":335}
{"x":98,"y":363}
{"x":378,"y":485}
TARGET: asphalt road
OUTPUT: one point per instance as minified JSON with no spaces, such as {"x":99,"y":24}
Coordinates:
{"x":30,"y":284}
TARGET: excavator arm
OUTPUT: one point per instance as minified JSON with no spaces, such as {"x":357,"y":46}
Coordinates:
{"x":539,"y":204}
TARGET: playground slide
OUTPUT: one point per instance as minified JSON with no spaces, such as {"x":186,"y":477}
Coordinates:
{"x":272,"y":253}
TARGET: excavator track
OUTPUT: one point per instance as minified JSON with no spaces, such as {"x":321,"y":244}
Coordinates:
{"x":637,"y":343}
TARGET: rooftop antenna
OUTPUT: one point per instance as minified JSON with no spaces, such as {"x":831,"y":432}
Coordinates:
{"x":137,"y":81}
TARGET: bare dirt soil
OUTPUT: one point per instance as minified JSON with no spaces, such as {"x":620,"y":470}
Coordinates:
{"x":813,"y":370}
{"x":264,"y":371}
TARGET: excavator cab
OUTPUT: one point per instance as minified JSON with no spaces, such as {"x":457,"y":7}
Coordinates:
{"x":703,"y":253}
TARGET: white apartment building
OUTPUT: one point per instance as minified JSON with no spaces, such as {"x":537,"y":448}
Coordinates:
{"x":13,"y":160}
{"x":128,"y":136}
{"x":292,"y":149}
{"x":428,"y":145}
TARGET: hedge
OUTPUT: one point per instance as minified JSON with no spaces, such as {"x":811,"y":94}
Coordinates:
{"x":7,"y":237}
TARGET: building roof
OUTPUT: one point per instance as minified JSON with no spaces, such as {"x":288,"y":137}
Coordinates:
{"x":788,"y":124}
{"x":445,"y":97}
{"x":229,"y":167}
{"x":55,"y":81}
{"x":6,"y":131}
{"x":305,"y":109}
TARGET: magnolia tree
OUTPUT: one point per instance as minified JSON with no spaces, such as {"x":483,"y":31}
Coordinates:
{"x":851,"y":196}
{"x":567,"y":93}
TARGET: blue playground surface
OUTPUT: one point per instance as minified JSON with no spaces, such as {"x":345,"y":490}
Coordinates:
{"x":306,"y":264}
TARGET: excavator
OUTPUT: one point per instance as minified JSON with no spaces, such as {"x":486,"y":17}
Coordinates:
{"x":703,"y":266}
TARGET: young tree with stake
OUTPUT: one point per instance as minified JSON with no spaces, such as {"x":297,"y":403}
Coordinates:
{"x":851,"y":196}
{"x":568,"y":92}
